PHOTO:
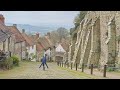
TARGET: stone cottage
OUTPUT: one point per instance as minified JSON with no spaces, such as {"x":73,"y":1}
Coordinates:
{"x":59,"y":53}
{"x":30,"y":47}
{"x":19,"y":42}
{"x":39,"y":48}
{"x":6,"y":37}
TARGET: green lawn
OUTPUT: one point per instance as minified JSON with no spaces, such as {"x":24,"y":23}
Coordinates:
{"x":82,"y":75}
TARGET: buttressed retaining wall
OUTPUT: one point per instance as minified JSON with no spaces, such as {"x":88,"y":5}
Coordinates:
{"x":96,"y":40}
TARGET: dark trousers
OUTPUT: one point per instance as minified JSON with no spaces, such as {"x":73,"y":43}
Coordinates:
{"x":43,"y":65}
{"x":46,"y":65}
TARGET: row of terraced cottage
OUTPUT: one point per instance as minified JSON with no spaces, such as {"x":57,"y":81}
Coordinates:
{"x":96,"y":40}
{"x":29,"y":47}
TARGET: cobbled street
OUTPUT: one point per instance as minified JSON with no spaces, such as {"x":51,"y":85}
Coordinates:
{"x":31,"y":70}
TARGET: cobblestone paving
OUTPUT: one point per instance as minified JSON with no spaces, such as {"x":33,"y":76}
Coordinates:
{"x":31,"y":70}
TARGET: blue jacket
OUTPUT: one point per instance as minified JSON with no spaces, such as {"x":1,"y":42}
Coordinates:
{"x":44,"y":59}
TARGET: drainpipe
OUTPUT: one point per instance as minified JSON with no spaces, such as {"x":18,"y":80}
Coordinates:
{"x":3,"y":45}
{"x":8,"y":43}
{"x":36,"y":56}
{"x":14,"y":41}
{"x":14,"y":48}
{"x":50,"y":54}
{"x":21,"y":50}
{"x":9,"y":46}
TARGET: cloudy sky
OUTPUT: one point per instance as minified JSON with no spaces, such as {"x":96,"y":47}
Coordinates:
{"x":40,"y":17}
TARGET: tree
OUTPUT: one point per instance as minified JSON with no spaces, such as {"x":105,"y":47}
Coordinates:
{"x":79,"y":18}
{"x":54,"y":37}
{"x":62,"y":33}
{"x":59,"y":34}
{"x":71,"y":30}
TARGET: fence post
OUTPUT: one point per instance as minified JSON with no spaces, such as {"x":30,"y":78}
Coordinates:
{"x":76,"y":66}
{"x":104,"y":73}
{"x":91,"y":68}
{"x":62,"y":64}
{"x":83,"y":67}
{"x":71,"y":65}
{"x":68,"y":65}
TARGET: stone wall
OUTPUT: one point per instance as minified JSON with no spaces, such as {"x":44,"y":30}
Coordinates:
{"x":97,"y":39}
{"x":1,"y":45}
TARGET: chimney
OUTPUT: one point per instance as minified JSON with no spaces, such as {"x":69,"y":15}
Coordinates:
{"x":48,"y":34}
{"x":15,"y":25}
{"x":37,"y":35}
{"x":2,"y":19}
{"x":23,"y":30}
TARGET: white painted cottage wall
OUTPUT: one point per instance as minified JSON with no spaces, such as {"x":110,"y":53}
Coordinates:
{"x":60,"y":49}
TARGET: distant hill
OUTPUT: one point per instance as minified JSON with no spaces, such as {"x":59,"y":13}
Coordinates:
{"x":42,"y":29}
{"x":30,"y":29}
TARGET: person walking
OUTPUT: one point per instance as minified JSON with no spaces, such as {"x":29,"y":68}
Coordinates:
{"x":44,"y":62}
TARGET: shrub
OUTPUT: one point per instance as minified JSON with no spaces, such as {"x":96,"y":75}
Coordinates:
{"x":15,"y":60}
{"x":8,"y":63}
{"x":2,"y":64}
{"x":34,"y":56}
{"x":110,"y":69}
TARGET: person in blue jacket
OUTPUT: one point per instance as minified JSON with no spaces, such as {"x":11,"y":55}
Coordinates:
{"x":44,"y":60}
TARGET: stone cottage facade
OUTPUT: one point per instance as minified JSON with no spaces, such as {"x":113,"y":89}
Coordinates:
{"x":59,"y":53}
{"x":6,"y":37}
{"x":19,"y":42}
{"x":30,"y":52}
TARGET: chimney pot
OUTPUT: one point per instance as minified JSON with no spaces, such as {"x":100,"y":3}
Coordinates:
{"x":48,"y":34}
{"x":37,"y":35}
{"x":2,"y":19}
{"x":15,"y":25}
{"x":23,"y":30}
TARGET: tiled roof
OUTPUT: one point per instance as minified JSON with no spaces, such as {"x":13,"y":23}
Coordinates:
{"x":5,"y":28}
{"x":65,"y":46}
{"x":49,"y":41}
{"x":35,"y":39}
{"x":4,"y":32}
{"x":17,"y":33}
{"x":3,"y":36}
{"x":29,"y":41}
{"x":44,"y":42}
{"x":39,"y":47}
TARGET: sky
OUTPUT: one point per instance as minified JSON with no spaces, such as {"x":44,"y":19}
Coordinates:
{"x":37,"y":18}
